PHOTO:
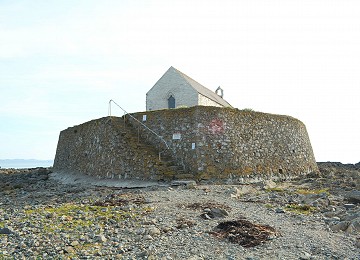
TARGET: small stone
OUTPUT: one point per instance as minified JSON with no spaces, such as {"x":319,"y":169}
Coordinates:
{"x":100,"y":238}
{"x":154,"y":231}
{"x":335,"y":219}
{"x":66,"y":218}
{"x":184,"y":225}
{"x":119,"y":256}
{"x":151,"y":257}
{"x":69,"y":249}
{"x":279,"y":210}
{"x":143,"y":255}
{"x":140,"y":231}
{"x":349,"y":206}
{"x":49,"y":215}
{"x":83,"y":238}
{"x":205,"y":216}
{"x":234,"y":192}
{"x":74,"y":243}
{"x":166,"y":229}
{"x":305,"y":256}
{"x":148,"y":237}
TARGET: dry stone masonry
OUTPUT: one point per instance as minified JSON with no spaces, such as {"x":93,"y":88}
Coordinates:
{"x":106,"y":147}
{"x":205,"y":143}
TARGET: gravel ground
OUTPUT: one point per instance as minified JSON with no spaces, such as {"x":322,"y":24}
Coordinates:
{"x":311,"y":218}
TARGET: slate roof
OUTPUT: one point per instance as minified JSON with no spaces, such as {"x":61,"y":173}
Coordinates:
{"x":203,"y":90}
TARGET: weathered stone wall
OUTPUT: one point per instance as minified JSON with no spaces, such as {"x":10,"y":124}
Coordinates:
{"x":210,"y":143}
{"x":106,"y":148}
{"x":227,"y":143}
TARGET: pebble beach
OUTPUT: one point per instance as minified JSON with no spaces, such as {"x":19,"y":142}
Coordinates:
{"x":315,"y":217}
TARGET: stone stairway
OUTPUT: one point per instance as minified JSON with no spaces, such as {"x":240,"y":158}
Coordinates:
{"x":181,"y":174}
{"x":164,"y":169}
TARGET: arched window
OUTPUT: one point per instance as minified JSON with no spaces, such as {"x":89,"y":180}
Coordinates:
{"x":171,"y":102}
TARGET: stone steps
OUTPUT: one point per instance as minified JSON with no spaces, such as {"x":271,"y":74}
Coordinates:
{"x":167,"y":167}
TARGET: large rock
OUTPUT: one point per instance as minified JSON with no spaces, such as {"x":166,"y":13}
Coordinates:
{"x":236,"y":192}
{"x":154,"y":231}
{"x":269,"y":184}
{"x":214,"y":213}
{"x":357,"y":165}
{"x":320,"y":200}
{"x":341,"y":226}
{"x":354,"y":227}
{"x":353,"y":196}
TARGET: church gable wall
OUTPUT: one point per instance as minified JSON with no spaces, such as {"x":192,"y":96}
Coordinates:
{"x":171,"y":84}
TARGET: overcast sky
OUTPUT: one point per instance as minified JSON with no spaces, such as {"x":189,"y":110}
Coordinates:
{"x":62,"y":61}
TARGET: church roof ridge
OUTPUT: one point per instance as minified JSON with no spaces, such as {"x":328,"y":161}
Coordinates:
{"x":203,"y":90}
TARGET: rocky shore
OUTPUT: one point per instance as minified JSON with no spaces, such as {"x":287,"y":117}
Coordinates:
{"x":313,"y":217}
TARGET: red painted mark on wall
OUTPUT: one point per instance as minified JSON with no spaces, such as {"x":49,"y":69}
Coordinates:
{"x":216,"y":126}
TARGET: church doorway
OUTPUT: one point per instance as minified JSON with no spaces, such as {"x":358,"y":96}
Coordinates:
{"x":171,"y":102}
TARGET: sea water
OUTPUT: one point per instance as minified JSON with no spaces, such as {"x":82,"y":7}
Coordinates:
{"x":24,"y":164}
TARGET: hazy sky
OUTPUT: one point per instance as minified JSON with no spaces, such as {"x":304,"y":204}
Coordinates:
{"x":62,"y":61}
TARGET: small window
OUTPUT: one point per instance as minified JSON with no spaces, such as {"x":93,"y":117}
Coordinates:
{"x":171,"y":102}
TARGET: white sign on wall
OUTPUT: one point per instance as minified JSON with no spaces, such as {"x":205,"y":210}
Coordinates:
{"x":144,"y":118}
{"x":176,"y":136}
{"x":193,"y":146}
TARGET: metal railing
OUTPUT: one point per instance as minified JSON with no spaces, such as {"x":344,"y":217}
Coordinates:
{"x":142,"y":124}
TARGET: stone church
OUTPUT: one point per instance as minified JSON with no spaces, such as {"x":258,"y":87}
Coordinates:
{"x":175,"y":89}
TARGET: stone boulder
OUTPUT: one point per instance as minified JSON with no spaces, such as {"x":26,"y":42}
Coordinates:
{"x":353,"y":196}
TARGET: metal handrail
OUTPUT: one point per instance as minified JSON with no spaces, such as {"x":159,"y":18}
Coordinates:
{"x":146,"y":127}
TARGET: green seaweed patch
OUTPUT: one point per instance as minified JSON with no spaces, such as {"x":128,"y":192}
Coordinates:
{"x":2,"y":257}
{"x":73,"y":217}
{"x":269,"y":206}
{"x":300,"y":208}
{"x":275,"y":189}
{"x":308,"y":191}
